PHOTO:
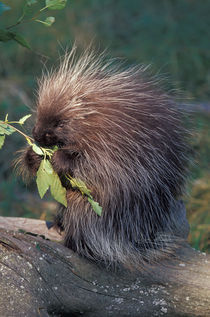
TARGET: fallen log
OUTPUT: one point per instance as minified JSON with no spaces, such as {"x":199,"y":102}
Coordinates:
{"x":39,"y":277}
{"x":35,"y":226}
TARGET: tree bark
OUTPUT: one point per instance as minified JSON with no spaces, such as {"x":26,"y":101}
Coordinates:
{"x":39,"y":277}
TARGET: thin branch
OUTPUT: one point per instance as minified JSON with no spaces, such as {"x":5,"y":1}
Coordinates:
{"x":25,"y":135}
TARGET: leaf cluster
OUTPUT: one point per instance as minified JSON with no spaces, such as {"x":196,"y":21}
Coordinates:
{"x":30,"y":13}
{"x":46,"y":177}
{"x":81,"y":186}
{"x":7,"y":129}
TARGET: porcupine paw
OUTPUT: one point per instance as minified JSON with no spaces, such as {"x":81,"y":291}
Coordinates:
{"x":32,"y":161}
{"x":58,"y":221}
{"x":64,"y":161}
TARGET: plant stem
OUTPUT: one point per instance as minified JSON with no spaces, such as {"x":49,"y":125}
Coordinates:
{"x":13,"y":25}
{"x":20,"y":20}
{"x":25,"y":135}
{"x":44,"y":8}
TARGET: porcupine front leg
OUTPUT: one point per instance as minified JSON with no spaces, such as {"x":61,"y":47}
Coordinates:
{"x":64,"y":162}
{"x":28,"y":163}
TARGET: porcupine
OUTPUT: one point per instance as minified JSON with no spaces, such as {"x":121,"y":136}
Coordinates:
{"x":123,"y":136}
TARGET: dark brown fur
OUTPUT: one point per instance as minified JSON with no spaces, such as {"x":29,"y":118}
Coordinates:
{"x":123,"y":136}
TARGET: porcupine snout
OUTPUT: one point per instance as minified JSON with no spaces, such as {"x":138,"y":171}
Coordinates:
{"x":45,"y":138}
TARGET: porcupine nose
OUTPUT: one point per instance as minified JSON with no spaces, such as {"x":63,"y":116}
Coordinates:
{"x":44,"y":138}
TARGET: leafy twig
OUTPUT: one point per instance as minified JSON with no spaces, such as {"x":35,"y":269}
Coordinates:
{"x":7,"y":35}
{"x":47,"y":178}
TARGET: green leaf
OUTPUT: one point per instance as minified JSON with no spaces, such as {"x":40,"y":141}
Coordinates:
{"x":37,"y":149}
{"x":48,"y":167}
{"x":96,"y":207}
{"x":3,"y":8}
{"x":55,"y":148}
{"x":44,"y":179}
{"x":28,"y":10}
{"x":20,"y":40}
{"x":48,"y":22}
{"x":23,"y":119}
{"x":55,"y":4}
{"x":6,"y":36}
{"x":79,"y":184}
{"x":5,"y":129}
{"x":2,"y":138}
{"x":57,"y":190}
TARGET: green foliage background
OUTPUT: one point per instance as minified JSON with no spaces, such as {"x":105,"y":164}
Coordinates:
{"x":172,"y":36}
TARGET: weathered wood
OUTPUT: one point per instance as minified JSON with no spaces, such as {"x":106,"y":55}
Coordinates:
{"x":30,"y":225}
{"x":39,"y":277}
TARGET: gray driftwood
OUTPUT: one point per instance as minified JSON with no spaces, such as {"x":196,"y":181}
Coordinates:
{"x":42,"y":278}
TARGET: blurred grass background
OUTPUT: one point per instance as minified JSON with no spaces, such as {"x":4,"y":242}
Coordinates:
{"x":172,"y":36}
